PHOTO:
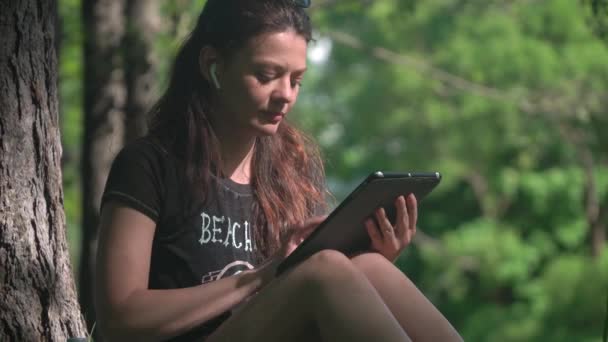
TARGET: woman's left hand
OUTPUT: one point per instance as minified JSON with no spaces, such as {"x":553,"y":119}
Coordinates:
{"x":390,"y":240}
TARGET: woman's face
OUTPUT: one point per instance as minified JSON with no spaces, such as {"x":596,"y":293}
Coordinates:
{"x":260,"y":84}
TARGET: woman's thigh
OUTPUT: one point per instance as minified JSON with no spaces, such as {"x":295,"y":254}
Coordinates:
{"x":282,"y":310}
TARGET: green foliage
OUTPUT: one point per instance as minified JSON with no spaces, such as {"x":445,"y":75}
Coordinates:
{"x":510,"y":255}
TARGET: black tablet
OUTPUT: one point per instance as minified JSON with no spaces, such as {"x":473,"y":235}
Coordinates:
{"x":344,"y":228}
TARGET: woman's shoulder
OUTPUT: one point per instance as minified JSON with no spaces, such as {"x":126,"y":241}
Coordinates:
{"x":146,"y":152}
{"x":142,"y":160}
{"x":139,"y":176}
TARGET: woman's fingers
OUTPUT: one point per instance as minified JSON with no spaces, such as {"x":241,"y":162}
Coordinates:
{"x":372,"y":230}
{"x":407,"y":215}
{"x":401,"y":225}
{"x":315,"y":220}
{"x":412,"y":209}
{"x":390,"y":239}
{"x":385,"y":226}
{"x":313,"y":223}
{"x":307,"y":228}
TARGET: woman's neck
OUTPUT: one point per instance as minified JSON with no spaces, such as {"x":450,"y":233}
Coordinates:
{"x":237,"y":163}
{"x":237,"y":152}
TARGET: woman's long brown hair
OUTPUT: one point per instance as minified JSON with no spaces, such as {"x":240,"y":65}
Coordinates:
{"x":288,"y":175}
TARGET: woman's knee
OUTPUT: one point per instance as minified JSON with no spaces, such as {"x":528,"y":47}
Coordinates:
{"x":370,"y":258}
{"x":329,"y":258}
{"x":371,"y":262}
{"x":328,"y":267}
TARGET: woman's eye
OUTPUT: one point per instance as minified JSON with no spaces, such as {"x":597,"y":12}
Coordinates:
{"x":264,"y":78}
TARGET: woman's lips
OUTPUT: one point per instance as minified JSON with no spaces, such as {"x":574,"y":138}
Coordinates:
{"x":275,"y":117}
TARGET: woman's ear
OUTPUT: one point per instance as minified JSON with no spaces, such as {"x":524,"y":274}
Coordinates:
{"x":208,"y":61}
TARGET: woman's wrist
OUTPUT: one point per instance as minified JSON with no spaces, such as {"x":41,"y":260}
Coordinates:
{"x":255,"y":279}
{"x":252,"y":280}
{"x":265,"y":272}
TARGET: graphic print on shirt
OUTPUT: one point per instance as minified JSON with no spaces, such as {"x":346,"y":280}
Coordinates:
{"x":224,"y":231}
{"x":231,"y":269}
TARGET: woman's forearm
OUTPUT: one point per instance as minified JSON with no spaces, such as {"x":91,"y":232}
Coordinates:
{"x":161,"y":314}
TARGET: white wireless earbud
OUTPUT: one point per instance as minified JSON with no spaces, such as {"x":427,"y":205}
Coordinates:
{"x":214,"y":76}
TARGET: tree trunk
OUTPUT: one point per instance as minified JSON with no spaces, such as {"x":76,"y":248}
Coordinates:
{"x":104,"y":102}
{"x":37,"y":295}
{"x":593,"y":207}
{"x":143,"y":18}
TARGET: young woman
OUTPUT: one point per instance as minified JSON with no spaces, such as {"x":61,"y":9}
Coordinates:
{"x":197,"y":215}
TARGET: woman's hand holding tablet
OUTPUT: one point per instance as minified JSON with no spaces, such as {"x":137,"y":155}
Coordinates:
{"x":391,"y":239}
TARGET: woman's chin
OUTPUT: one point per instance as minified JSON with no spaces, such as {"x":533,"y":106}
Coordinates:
{"x":266,"y":129}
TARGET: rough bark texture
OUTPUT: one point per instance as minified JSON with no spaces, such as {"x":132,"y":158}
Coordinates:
{"x":37,"y":295}
{"x":144,"y":22}
{"x":104,"y":102}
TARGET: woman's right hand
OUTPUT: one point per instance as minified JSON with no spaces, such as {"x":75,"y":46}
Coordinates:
{"x":292,"y":239}
{"x":296,"y":234}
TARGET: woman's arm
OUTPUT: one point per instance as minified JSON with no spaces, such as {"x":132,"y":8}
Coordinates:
{"x":127,"y":309}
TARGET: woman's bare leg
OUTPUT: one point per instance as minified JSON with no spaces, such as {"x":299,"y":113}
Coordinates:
{"x":415,"y":313}
{"x":325,"y":296}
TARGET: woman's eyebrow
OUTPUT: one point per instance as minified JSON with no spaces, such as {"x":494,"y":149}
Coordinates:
{"x":277,"y":66}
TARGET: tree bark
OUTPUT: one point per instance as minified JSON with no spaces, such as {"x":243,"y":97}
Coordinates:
{"x":37,"y":294}
{"x":144,"y":22}
{"x":104,"y":102}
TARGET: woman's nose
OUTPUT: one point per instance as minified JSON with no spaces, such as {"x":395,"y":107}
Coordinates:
{"x":285,"y":91}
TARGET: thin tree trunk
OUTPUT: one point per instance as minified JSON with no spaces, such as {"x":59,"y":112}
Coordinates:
{"x":104,"y":102}
{"x":143,"y":18}
{"x":593,"y":208}
{"x":594,"y":213}
{"x":37,"y":295}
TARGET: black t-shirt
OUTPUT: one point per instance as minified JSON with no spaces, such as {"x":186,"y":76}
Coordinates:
{"x":194,"y":242}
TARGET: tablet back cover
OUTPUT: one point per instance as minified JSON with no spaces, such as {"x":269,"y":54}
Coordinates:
{"x":344,"y":229}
